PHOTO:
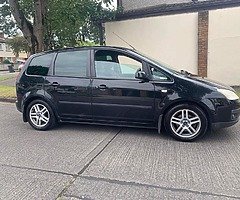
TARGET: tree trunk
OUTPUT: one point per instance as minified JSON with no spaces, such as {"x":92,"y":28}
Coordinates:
{"x":34,"y":34}
{"x":101,"y":33}
{"x":39,"y":30}
{"x":25,"y":26}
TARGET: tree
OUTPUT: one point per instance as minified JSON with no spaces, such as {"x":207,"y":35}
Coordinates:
{"x":99,"y":16}
{"x":33,"y":32}
{"x":7,"y":25}
{"x":57,"y":23}
{"x":18,"y":44}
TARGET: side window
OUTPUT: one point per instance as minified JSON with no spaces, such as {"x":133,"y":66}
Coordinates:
{"x":158,"y":75}
{"x":40,"y":65}
{"x":129,"y":66}
{"x":72,"y":63}
{"x":111,"y":64}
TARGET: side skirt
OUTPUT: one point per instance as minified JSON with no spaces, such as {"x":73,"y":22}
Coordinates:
{"x":109,"y":124}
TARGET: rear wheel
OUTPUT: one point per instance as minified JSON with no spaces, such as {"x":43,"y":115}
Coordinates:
{"x":40,"y":115}
{"x":186,"y":122}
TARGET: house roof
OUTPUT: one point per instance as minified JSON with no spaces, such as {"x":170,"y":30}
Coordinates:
{"x":133,"y":5}
{"x":148,"y":8}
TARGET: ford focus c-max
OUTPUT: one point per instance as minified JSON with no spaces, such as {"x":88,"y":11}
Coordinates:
{"x":119,"y":86}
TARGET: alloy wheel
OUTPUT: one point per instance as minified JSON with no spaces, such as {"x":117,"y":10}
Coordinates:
{"x":39,"y":115}
{"x":185,"y":123}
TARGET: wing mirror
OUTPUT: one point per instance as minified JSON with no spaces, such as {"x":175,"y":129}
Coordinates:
{"x":141,"y":75}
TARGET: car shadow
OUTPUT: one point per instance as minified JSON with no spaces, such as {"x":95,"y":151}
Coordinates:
{"x":223,"y":135}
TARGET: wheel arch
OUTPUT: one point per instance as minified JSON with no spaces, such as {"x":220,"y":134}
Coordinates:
{"x":202,"y":106}
{"x":37,"y":97}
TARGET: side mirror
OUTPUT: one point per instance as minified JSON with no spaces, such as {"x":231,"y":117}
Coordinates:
{"x":141,"y":75}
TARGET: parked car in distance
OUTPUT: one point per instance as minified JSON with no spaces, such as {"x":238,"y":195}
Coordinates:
{"x":21,"y":64}
{"x":121,"y":87}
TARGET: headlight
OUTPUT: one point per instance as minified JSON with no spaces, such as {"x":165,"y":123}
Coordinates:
{"x":230,"y":95}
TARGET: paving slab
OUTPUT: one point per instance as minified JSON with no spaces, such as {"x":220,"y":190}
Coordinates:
{"x":65,"y":149}
{"x":23,"y":184}
{"x":211,"y":165}
{"x":114,"y":163}
{"x":90,"y":188}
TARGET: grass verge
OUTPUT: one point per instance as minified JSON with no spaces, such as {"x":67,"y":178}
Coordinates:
{"x":7,"y":92}
{"x":7,"y":76}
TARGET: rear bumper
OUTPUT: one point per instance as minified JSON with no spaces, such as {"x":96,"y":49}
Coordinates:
{"x":18,"y":105}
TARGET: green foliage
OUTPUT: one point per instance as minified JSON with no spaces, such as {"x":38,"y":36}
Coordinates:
{"x":66,"y":19}
{"x":18,"y":44}
{"x":6,"y":62}
{"x":77,"y":20}
{"x":7,"y":25}
{"x":93,"y":26}
{"x":27,"y":7}
{"x":86,"y":43}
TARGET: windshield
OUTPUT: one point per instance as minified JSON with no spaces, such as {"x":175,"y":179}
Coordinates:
{"x":157,"y":62}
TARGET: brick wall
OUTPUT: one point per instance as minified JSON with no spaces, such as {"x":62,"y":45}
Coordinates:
{"x":203,"y":24}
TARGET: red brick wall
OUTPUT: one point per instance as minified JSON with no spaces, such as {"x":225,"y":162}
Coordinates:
{"x":203,"y":23}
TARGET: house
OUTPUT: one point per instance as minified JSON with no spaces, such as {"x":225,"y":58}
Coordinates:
{"x":200,"y":36}
{"x":7,"y":53}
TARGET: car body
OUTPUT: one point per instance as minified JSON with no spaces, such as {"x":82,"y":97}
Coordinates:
{"x":121,"y":87}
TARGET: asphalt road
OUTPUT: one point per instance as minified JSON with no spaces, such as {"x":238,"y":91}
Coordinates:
{"x":94,"y":162}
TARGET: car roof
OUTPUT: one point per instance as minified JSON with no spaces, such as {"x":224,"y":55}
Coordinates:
{"x":85,"y":48}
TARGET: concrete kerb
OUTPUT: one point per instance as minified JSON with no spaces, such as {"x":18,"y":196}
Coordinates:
{"x":8,"y":100}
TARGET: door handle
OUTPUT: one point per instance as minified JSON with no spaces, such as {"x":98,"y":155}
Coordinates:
{"x":167,"y":91}
{"x":102,"y":87}
{"x":55,"y":84}
{"x":164,"y":91}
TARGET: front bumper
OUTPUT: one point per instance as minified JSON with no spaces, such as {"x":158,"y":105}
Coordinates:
{"x":226,"y":117}
{"x":219,"y":125}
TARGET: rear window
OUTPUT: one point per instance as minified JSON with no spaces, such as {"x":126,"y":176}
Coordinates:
{"x":40,"y":65}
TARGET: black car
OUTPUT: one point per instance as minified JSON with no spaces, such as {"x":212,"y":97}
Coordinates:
{"x":119,"y":86}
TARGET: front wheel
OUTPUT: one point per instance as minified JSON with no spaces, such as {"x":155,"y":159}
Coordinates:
{"x":186,"y":122}
{"x":40,"y":115}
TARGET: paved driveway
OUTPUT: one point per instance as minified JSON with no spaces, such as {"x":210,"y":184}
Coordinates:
{"x":94,"y":162}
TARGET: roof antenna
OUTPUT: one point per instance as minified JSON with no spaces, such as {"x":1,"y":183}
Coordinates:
{"x":125,"y":41}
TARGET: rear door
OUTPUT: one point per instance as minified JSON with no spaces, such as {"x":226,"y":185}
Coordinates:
{"x":117,"y":95}
{"x":69,"y":85}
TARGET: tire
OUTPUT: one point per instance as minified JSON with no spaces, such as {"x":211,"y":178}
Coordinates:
{"x":40,"y":115}
{"x":186,"y":122}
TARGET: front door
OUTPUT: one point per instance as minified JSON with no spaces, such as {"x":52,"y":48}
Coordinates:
{"x":69,"y":85}
{"x":117,"y":96}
